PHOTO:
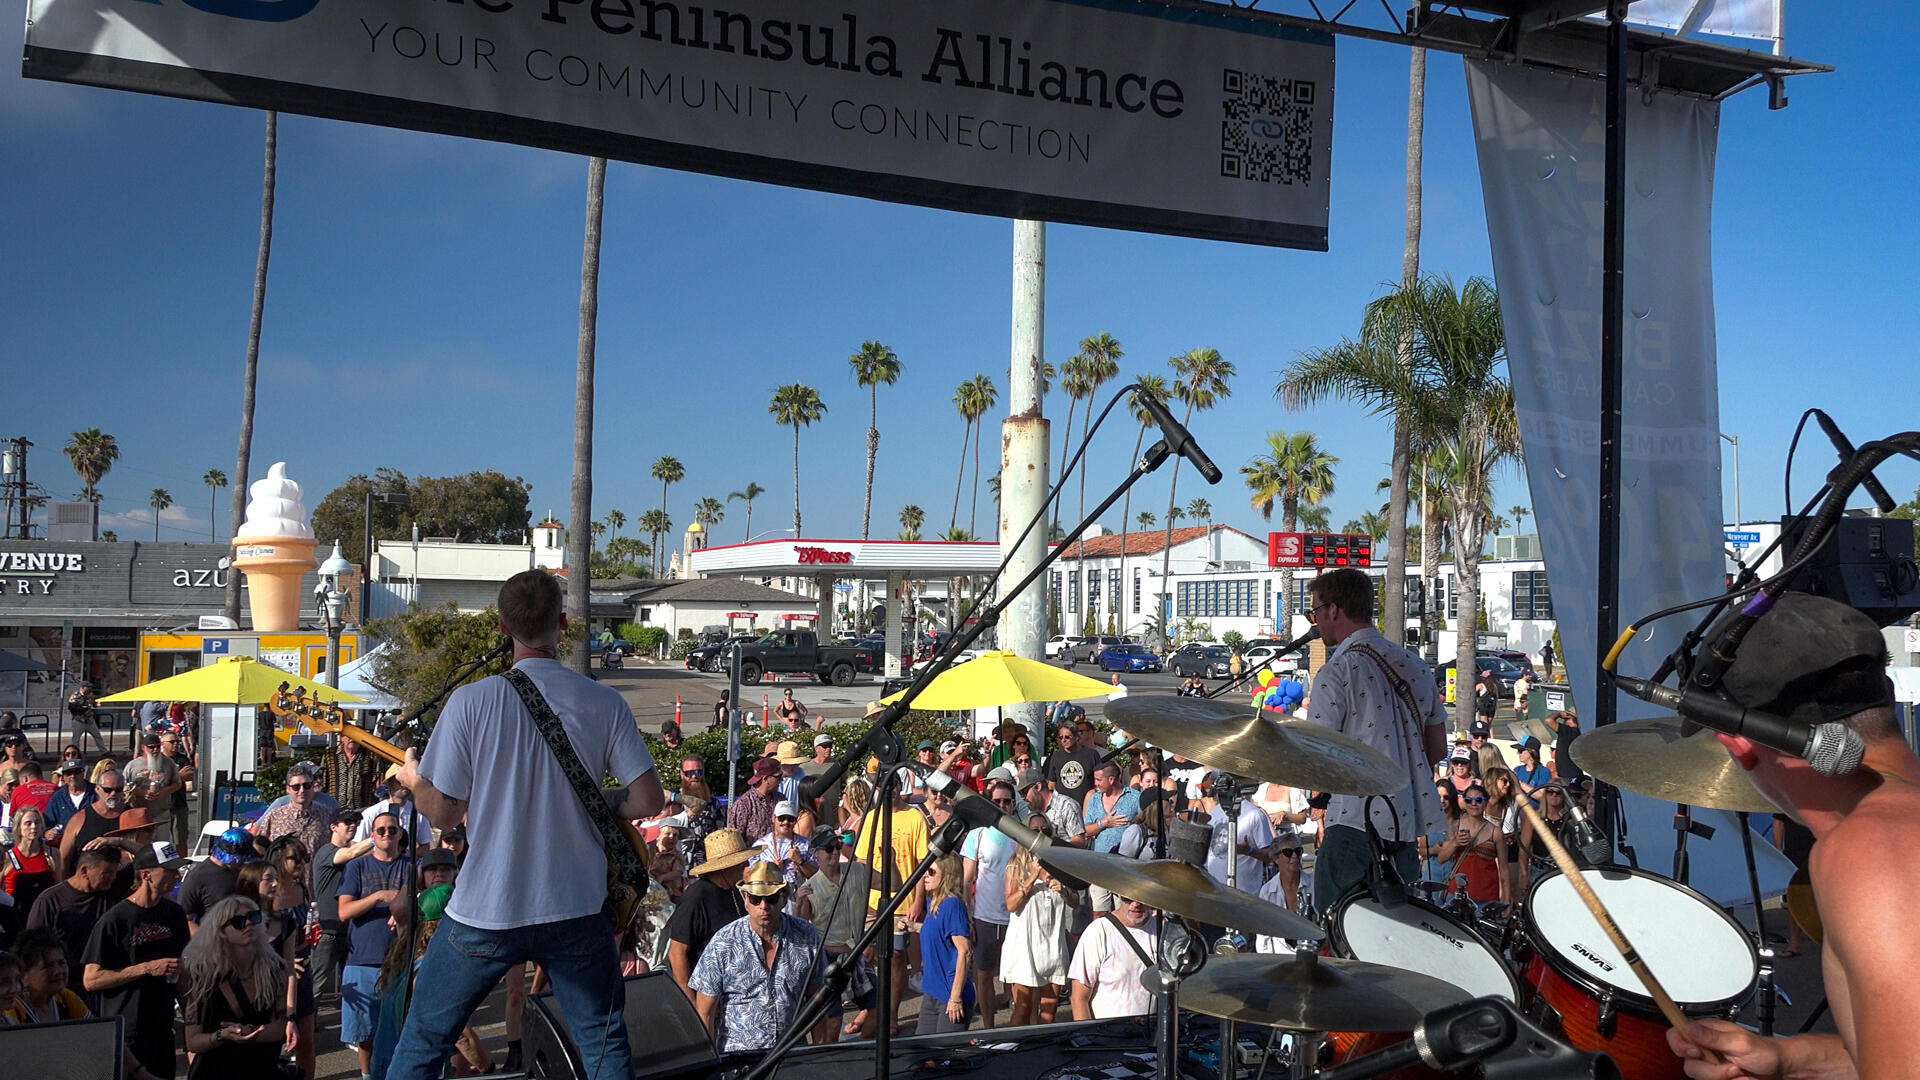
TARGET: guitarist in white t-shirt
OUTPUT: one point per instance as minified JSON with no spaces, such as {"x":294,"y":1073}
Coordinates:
{"x":534,"y":885}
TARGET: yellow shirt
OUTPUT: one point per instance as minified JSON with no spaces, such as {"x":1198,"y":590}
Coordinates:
{"x":910,"y":844}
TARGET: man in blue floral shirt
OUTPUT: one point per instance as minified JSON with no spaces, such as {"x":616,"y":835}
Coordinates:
{"x":756,"y":970}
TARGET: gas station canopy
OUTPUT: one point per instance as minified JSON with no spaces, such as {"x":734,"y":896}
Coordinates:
{"x":849,"y":559}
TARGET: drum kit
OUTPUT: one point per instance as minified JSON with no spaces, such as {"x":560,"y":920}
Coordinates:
{"x":1596,"y":962}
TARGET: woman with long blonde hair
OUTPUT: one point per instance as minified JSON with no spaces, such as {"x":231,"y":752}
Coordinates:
{"x":1033,"y":962}
{"x":946,"y":951}
{"x":1503,"y":808}
{"x":236,"y":993}
{"x":30,"y":866}
{"x":855,"y":801}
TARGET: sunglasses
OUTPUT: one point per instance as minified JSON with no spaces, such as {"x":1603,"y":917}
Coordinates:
{"x":242,"y":922}
{"x":389,"y":830}
{"x":756,"y":901}
{"x":1003,"y":802}
{"x":298,"y":787}
{"x":105,"y":790}
{"x":1289,"y":853}
{"x":1474,"y":800}
{"x":693,"y":772}
{"x":787,"y":819}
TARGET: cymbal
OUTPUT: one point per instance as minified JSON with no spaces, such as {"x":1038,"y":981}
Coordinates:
{"x":1182,"y":889}
{"x":1233,"y":736}
{"x":1653,"y":758}
{"x":1315,"y":993}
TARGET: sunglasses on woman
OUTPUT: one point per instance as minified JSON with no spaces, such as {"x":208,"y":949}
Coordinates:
{"x":242,"y":922}
{"x":1289,"y":853}
{"x":1474,"y":800}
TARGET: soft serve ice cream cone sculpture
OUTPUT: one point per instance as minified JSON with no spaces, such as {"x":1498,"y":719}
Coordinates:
{"x":275,"y":548}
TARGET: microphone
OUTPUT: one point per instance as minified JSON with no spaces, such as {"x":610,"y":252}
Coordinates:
{"x":1847,"y":453}
{"x":1832,"y":748}
{"x":1179,"y":439}
{"x":1383,"y":879}
{"x":1590,"y":845}
{"x":978,"y":811}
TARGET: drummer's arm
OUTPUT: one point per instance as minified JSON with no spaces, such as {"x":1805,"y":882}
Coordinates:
{"x":1871,"y":946}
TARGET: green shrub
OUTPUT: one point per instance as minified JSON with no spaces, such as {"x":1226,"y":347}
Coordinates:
{"x":271,"y":779}
{"x":646,"y":639}
{"x":681,"y":648}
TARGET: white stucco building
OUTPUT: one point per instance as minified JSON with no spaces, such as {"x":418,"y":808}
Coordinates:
{"x":1115,"y":577}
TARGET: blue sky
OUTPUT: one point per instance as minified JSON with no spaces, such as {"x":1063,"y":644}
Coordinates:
{"x":422,"y":305}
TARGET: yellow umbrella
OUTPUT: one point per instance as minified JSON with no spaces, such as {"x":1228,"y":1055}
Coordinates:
{"x":1001,"y":678}
{"x":233,"y":680}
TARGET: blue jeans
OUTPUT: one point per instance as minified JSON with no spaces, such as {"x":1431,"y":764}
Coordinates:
{"x":464,"y":964}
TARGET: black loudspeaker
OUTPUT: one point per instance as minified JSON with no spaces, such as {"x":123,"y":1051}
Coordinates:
{"x":69,"y":1050}
{"x":1867,"y":564}
{"x":669,"y":1041}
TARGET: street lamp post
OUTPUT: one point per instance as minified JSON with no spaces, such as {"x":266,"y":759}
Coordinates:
{"x":391,"y":498}
{"x":333,"y":608}
{"x":1735,"y":440}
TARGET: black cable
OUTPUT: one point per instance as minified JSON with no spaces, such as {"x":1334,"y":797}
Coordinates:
{"x":1792,"y":445}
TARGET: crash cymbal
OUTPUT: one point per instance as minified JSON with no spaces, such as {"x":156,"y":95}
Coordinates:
{"x":1181,"y":889}
{"x":1653,"y":758}
{"x":1315,"y":993}
{"x":1232,"y":736}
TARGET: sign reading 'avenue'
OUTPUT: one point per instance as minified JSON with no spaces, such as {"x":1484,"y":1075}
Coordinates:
{"x":1122,"y":113}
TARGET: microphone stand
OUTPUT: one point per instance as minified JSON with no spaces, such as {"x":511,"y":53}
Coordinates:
{"x":881,"y":742}
{"x":1768,"y":991}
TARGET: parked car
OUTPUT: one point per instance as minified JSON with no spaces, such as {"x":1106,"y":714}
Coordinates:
{"x":1505,"y":673}
{"x":1520,"y":660}
{"x":1270,"y":656}
{"x":1202,"y":658}
{"x":798,"y":652}
{"x":1092,"y":646}
{"x":713,"y":656}
{"x":1057,"y":646}
{"x":1128,"y":658}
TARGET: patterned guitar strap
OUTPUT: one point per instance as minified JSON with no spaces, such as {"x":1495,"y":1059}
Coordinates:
{"x":626,"y":872}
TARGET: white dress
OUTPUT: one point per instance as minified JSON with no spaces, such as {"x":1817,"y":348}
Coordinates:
{"x":1035,"y":953}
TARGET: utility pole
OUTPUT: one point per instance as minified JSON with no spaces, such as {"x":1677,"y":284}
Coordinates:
{"x":1023,"y":458}
{"x":13,"y":467}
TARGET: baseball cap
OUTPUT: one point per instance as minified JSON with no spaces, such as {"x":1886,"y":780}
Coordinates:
{"x":438,"y":857}
{"x":72,"y":765}
{"x":823,"y":740}
{"x":1809,"y":660}
{"x":947,"y":747}
{"x":1460,"y":753}
{"x":1026,"y":779}
{"x":151,"y":738}
{"x":784,"y":808}
{"x":925,"y":744}
{"x":1480,"y":727}
{"x":161,"y":855}
{"x":347,"y":817}
{"x":1527,"y":742}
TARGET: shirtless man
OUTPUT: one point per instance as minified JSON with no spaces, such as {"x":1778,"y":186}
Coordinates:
{"x":1813,"y":661}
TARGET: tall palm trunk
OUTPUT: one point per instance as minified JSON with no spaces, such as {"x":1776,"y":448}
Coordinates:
{"x":749,"y":533}
{"x":1395,"y":609}
{"x":973,"y":510}
{"x":796,"y":480}
{"x":1081,"y":515}
{"x":961,"y":480}
{"x":1066,"y":450}
{"x":873,"y":451}
{"x":251,"y":377}
{"x":1166,"y":553}
{"x":1126,"y":526}
{"x":580,"y":505}
{"x":1436,"y":615}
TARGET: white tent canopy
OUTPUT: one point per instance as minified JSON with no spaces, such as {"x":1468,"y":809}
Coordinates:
{"x":354,"y":679}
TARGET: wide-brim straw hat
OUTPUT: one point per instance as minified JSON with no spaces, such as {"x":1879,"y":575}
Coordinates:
{"x":725,"y":848}
{"x":762,"y":879}
{"x":789,"y":753}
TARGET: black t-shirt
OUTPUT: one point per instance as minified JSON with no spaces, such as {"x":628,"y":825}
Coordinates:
{"x":703,"y":909}
{"x":326,"y":886}
{"x":1565,"y":730}
{"x":1071,"y":771}
{"x":91,"y":825}
{"x":72,"y":914}
{"x":206,"y":884}
{"x":180,"y":761}
{"x":129,"y":935}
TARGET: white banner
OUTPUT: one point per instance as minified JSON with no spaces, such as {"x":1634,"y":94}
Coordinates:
{"x":1100,"y":112}
{"x":1541,"y":141}
{"x":1732,"y":18}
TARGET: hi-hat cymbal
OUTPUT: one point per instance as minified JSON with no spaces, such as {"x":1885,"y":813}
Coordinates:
{"x":1179,"y":888}
{"x":1233,"y":736}
{"x":1653,"y":758}
{"x":1315,"y":993}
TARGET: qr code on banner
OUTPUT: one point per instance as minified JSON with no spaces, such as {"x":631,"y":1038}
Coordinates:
{"x":1266,"y":134}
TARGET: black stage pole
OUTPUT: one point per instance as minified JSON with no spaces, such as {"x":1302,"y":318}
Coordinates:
{"x":1612,"y":319}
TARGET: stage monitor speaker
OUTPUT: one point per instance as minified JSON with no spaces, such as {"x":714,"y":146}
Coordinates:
{"x":69,"y":1050}
{"x":1866,"y":564}
{"x":669,"y":1042}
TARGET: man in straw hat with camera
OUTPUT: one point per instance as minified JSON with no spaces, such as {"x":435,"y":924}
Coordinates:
{"x":755,"y":971}
{"x":710,"y":902}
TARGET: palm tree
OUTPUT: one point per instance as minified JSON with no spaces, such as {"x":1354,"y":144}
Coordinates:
{"x":708,"y":511}
{"x":1372,"y":523}
{"x":872,"y":365}
{"x":215,"y":480}
{"x":752,"y":492}
{"x":667,"y":470}
{"x":250,"y":376}
{"x":657,"y":524}
{"x":160,"y":499}
{"x":1200,"y":379}
{"x":1077,"y":382}
{"x":911,"y":518}
{"x":1520,"y":514}
{"x":1294,"y":470}
{"x":1174,"y":515}
{"x":1200,"y":510}
{"x":981,"y":396}
{"x":1394,"y":610}
{"x":796,"y":405}
{"x":616,"y":520}
{"x":1146,"y":519}
{"x":1318,"y":519}
{"x":92,"y":453}
{"x":580,"y":492}
{"x":1100,"y":356}
{"x":1498,"y":522}
{"x":957,"y":534}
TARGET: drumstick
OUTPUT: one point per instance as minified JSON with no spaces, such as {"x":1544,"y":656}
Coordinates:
{"x":1578,"y":880}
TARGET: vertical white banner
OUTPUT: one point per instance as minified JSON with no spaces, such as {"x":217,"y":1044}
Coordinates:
{"x":1541,"y":142}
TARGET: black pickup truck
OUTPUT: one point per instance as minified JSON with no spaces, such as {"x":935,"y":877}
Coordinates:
{"x":798,"y":652}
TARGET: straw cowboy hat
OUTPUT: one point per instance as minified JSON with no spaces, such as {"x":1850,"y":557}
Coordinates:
{"x":762,"y":879}
{"x":725,"y":848}
{"x":788,"y":752}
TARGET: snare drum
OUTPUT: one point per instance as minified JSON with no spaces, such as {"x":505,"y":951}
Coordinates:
{"x":1418,"y":937}
{"x":1584,"y":987}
